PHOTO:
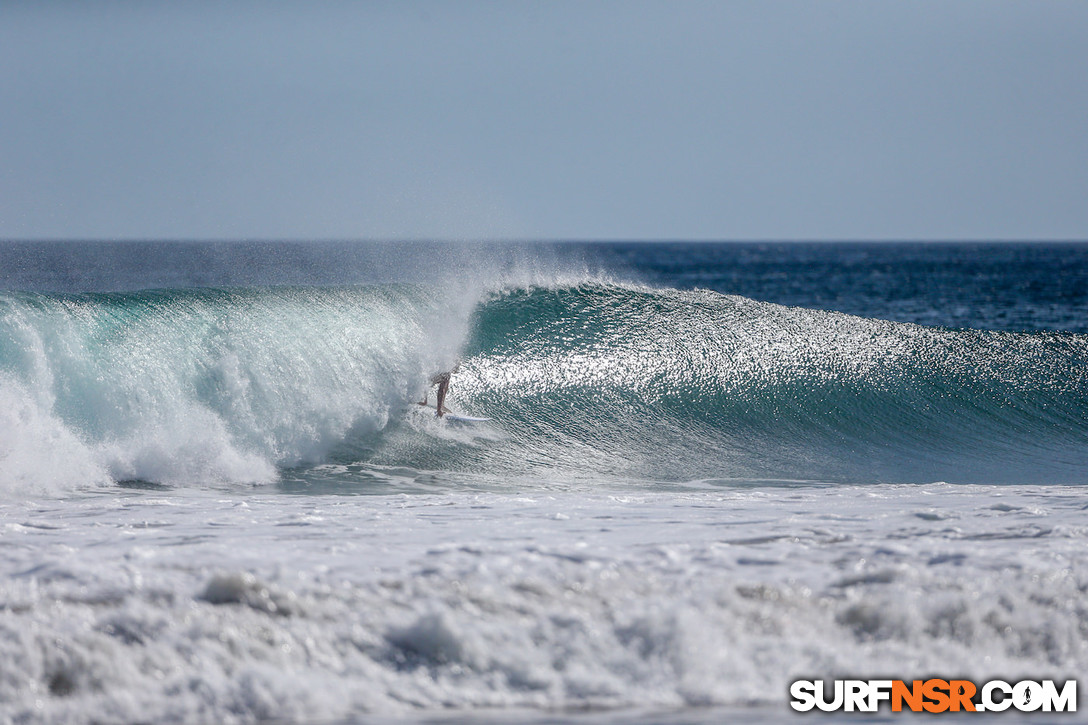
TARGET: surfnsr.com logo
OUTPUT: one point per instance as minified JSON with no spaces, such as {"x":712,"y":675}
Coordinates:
{"x":934,"y":695}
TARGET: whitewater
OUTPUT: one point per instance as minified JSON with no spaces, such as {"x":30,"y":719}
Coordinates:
{"x":710,"y":470}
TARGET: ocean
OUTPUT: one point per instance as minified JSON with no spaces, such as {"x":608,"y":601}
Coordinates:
{"x":710,"y":470}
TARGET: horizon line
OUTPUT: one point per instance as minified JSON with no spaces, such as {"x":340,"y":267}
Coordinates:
{"x":531,"y":240}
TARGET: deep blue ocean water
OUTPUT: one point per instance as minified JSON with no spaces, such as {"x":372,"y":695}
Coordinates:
{"x":1007,"y":286}
{"x":994,"y":286}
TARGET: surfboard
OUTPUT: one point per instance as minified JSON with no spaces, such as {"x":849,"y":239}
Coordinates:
{"x":456,"y":418}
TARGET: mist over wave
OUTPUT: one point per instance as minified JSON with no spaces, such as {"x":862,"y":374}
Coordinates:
{"x":583,"y":379}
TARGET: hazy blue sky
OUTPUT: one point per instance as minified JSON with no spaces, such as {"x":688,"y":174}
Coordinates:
{"x":717,"y":120}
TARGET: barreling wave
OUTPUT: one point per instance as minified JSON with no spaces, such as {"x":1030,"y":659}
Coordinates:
{"x":585,"y":382}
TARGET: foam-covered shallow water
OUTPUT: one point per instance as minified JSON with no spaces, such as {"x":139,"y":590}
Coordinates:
{"x":709,"y":471}
{"x":231,"y":606}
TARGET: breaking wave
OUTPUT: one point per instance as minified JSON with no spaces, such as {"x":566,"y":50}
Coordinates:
{"x":583,"y":381}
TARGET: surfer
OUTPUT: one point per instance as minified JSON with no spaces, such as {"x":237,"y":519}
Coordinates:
{"x":442,"y":380}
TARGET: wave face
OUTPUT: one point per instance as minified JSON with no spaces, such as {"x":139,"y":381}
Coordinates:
{"x":681,"y":385}
{"x":584,"y":382}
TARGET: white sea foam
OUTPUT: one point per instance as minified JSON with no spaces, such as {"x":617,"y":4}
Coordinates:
{"x":38,"y":453}
{"x":197,"y":606}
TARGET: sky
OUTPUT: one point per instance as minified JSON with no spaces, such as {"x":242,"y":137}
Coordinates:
{"x":762,"y":120}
